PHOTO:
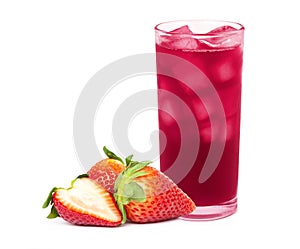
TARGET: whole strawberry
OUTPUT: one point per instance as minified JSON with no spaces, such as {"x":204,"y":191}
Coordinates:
{"x":107,"y":170}
{"x":145,"y":194}
{"x":84,"y":203}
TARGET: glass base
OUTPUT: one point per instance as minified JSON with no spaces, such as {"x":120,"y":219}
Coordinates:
{"x":206,"y":213}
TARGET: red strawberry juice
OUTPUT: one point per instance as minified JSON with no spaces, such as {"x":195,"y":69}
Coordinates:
{"x":199,"y":112}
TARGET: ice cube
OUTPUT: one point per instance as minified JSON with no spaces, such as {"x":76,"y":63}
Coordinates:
{"x":205,"y":132}
{"x":170,"y":107}
{"x":226,"y":40}
{"x":222,"y":130}
{"x":185,"y":43}
{"x":182,"y":30}
{"x":221,"y":71}
{"x":200,"y":111}
{"x":232,"y":126}
{"x":181,"y":39}
{"x":166,"y":118}
{"x":226,"y":67}
{"x":230,"y":96}
{"x":225,"y":71}
{"x":222,"y":29}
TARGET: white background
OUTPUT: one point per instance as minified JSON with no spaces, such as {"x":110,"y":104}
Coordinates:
{"x":50,"y":49}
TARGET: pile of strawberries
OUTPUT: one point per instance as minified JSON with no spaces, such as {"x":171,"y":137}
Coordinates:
{"x":113,"y":191}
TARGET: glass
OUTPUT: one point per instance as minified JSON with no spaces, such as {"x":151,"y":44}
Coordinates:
{"x":199,"y":75}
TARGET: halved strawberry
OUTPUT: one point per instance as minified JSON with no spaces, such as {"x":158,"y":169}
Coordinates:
{"x":107,"y":170}
{"x":84,"y":203}
{"x":145,"y":194}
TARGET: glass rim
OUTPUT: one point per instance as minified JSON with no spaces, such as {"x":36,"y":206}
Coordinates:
{"x":241,"y":28}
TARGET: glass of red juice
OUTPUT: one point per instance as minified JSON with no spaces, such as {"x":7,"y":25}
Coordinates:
{"x":199,"y":76}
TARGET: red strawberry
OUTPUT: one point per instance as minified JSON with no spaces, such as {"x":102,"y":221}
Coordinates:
{"x":147,"y":195}
{"x":84,"y":203}
{"x":105,"y":173}
{"x":107,"y":170}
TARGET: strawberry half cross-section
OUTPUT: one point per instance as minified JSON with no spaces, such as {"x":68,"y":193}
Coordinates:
{"x":84,"y":203}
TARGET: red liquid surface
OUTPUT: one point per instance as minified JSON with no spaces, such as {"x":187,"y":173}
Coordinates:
{"x":223,"y":67}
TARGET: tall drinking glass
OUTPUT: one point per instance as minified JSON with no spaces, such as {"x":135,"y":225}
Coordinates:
{"x":199,"y":75}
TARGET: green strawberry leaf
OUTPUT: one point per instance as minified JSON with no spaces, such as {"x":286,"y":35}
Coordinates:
{"x":117,"y":182}
{"x":137,"y":174}
{"x":135,"y":192}
{"x":53,"y":214}
{"x":78,"y":177}
{"x":128,"y":160}
{"x":111,"y":155}
{"x":128,"y":191}
{"x":132,"y":163}
{"x":138,"y":166}
{"x":82,"y":176}
{"x":122,"y":209}
{"x":125,"y":200}
{"x":48,"y":201}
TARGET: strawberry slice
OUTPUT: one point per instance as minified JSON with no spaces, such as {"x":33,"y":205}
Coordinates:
{"x":84,"y":203}
{"x":106,"y":171}
{"x":144,"y":194}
